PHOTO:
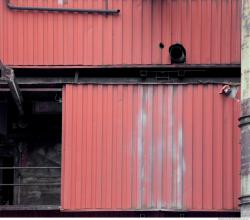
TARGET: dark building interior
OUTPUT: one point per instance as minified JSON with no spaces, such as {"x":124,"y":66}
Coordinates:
{"x":30,"y":149}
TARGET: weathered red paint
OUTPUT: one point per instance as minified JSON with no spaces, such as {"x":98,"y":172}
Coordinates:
{"x":209,"y":30}
{"x":145,"y":147}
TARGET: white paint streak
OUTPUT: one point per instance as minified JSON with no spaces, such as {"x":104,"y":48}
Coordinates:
{"x":159,"y":158}
{"x":170,"y":126}
{"x":179,"y":168}
{"x":170,"y":157}
{"x":142,"y":118}
{"x":142,"y":124}
{"x":183,"y":165}
{"x":60,"y":2}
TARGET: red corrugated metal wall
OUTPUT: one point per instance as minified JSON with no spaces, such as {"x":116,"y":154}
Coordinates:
{"x":145,"y":147}
{"x":209,"y":29}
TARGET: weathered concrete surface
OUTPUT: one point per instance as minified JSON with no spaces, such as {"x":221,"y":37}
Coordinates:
{"x":245,"y":110}
{"x":245,"y":208}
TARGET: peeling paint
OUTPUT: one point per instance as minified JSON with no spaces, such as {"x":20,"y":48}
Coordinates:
{"x":62,"y":2}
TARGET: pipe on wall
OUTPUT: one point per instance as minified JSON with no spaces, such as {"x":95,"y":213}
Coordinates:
{"x":70,"y":10}
{"x":8,"y":75}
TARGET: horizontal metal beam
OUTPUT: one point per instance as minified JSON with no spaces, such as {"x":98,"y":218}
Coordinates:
{"x":69,"y":10}
{"x":34,"y":89}
{"x":28,"y":207}
{"x":30,"y":184}
{"x":129,"y":66}
{"x":26,"y":168}
{"x":57,"y":82}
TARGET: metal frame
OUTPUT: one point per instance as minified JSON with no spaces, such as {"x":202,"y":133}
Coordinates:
{"x":105,"y":11}
{"x":26,"y":168}
{"x":29,"y":184}
{"x":22,"y":207}
{"x":7,"y":75}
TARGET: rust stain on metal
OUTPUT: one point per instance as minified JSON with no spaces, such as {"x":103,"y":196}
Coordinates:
{"x":147,"y":147}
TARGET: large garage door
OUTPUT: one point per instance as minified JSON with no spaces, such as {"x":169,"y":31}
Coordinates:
{"x":149,"y":147}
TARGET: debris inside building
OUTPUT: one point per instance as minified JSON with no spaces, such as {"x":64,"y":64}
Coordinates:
{"x":30,"y":161}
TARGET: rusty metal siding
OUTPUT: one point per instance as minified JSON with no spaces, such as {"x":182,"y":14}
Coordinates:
{"x":209,"y":29}
{"x":145,"y":147}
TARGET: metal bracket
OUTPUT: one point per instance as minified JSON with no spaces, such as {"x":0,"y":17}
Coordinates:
{"x":7,"y":75}
{"x":105,"y":11}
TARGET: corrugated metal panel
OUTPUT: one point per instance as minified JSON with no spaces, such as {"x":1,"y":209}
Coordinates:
{"x":209,"y":29}
{"x":143,"y":147}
